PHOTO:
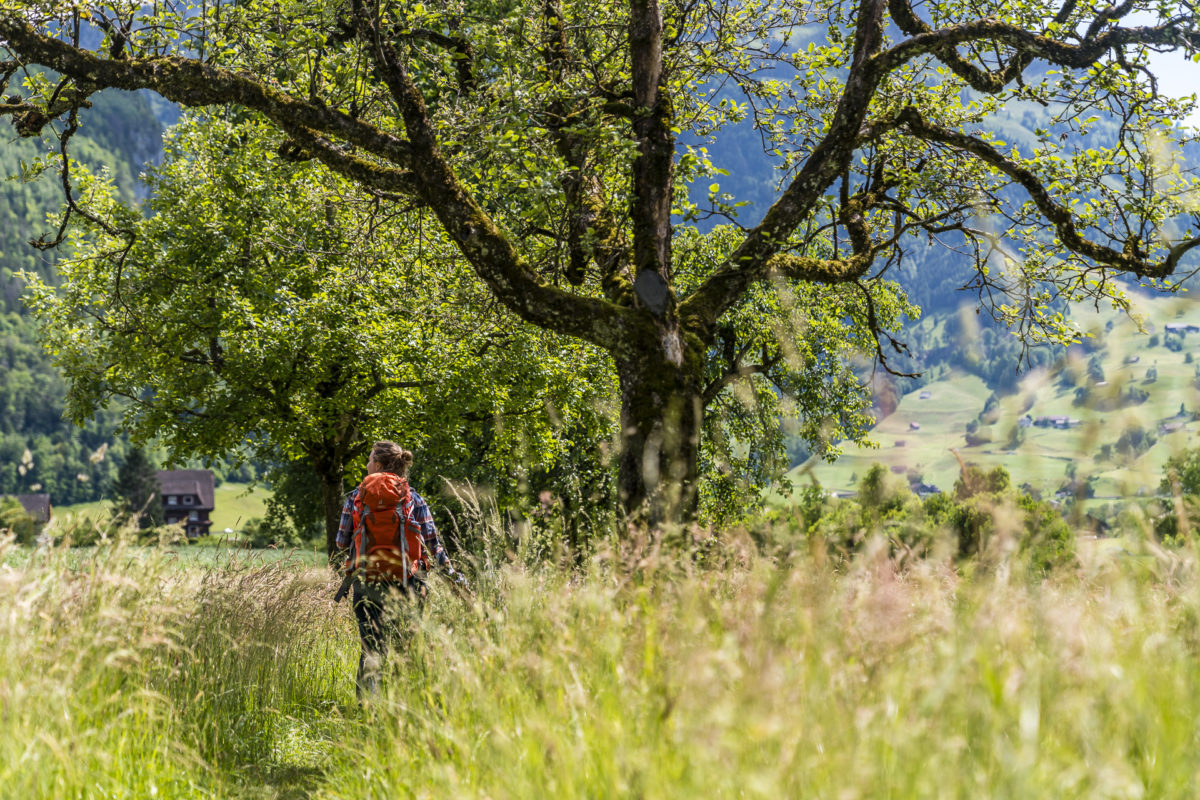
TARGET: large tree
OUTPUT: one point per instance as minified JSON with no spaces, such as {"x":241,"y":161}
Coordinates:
{"x":545,"y":137}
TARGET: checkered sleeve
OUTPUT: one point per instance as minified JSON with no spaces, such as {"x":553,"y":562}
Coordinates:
{"x":424,"y":520}
{"x":346,"y":525}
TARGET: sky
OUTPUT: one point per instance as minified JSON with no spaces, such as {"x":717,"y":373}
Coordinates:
{"x":1177,"y":75}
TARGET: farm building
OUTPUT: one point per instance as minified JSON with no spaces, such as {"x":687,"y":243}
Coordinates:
{"x":188,"y":499}
{"x":1055,"y":422}
{"x":37,"y":506}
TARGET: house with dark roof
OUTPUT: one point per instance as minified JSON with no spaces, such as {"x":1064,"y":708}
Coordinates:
{"x":188,"y":499}
{"x":36,"y":506}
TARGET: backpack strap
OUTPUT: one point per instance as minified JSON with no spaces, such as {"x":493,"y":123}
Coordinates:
{"x":422,"y":549}
{"x":405,"y":524}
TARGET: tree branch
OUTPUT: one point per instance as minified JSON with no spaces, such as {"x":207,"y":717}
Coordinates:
{"x":307,"y":143}
{"x":752,"y":259}
{"x":586,"y":215}
{"x":733,"y":376}
{"x":192,"y":83}
{"x":485,"y":246}
{"x":653,"y":168}
{"x":1028,"y":45}
{"x":464,"y":55}
{"x":1128,"y":260}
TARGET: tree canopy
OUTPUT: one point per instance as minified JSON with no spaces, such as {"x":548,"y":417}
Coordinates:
{"x":545,"y":140}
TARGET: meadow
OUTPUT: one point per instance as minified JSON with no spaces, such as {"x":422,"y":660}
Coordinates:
{"x":667,"y":666}
{"x":926,"y":434}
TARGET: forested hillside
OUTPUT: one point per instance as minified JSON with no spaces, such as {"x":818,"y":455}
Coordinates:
{"x":39,"y":450}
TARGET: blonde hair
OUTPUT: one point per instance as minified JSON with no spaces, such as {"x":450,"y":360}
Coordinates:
{"x":392,"y":458}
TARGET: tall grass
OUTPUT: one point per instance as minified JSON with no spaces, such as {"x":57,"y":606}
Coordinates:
{"x":642,"y":675}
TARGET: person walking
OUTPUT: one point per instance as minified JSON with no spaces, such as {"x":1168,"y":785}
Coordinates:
{"x":392,"y":541}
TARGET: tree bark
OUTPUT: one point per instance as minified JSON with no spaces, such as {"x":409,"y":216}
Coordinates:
{"x":661,"y":418}
{"x":332,"y":498}
{"x":329,"y":461}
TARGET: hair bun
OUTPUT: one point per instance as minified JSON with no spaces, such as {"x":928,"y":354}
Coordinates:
{"x":391,"y":457}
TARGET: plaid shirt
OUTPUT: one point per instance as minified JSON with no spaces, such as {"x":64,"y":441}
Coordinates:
{"x":420,"y":516}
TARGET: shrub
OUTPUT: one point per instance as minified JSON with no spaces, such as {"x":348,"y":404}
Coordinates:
{"x":984,"y":498}
{"x":272,"y":531}
{"x":975,"y":439}
{"x":1136,"y":396}
{"x":1016,"y":437}
{"x":1180,"y":481}
{"x":881,"y":494}
{"x":972,"y":480}
{"x":983,"y":503}
{"x":16,"y":521}
{"x":1135,"y":440}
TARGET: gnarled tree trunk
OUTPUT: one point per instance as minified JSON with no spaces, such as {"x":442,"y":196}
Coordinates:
{"x":661,"y":417}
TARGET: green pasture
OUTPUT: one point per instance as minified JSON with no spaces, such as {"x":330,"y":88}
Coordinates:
{"x":236,"y":503}
{"x":930,"y":449}
{"x":1044,"y":456}
{"x":175,"y":557}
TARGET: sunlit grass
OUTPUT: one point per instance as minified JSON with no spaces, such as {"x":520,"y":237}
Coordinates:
{"x":129,"y":673}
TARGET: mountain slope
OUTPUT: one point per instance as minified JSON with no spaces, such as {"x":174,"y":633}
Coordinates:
{"x":39,"y":450}
{"x":1123,"y":391}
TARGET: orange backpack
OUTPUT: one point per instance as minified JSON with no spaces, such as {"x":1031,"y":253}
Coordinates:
{"x":387,"y":543}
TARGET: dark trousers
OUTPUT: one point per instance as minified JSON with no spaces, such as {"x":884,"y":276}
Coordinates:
{"x":377,"y":610}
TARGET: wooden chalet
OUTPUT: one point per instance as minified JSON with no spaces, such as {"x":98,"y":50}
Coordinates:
{"x":188,"y":499}
{"x":36,"y":506}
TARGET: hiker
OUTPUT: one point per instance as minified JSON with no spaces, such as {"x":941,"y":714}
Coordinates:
{"x":393,"y":538}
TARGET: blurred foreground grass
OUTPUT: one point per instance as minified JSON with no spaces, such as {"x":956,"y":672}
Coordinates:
{"x":124,"y":675}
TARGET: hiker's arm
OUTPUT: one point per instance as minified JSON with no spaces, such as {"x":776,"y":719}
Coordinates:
{"x":433,"y":545}
{"x":346,"y":524}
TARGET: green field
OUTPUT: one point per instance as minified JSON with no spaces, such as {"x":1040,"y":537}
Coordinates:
{"x":236,"y":503}
{"x":181,"y":557}
{"x":934,"y":450}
